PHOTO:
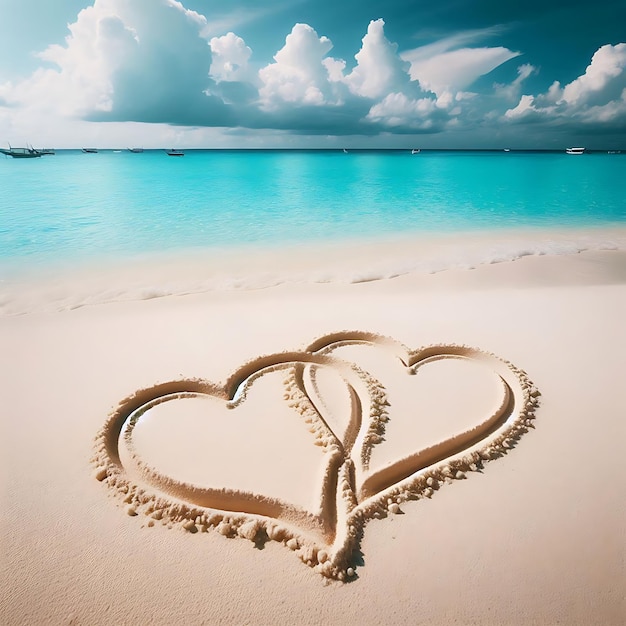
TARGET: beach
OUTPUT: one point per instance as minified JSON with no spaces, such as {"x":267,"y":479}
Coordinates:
{"x":379,"y":439}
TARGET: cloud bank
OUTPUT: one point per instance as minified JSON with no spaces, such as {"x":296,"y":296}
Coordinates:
{"x":157,"y":62}
{"x":594,"y":99}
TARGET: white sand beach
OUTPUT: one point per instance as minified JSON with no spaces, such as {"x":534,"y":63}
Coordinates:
{"x":405,"y":448}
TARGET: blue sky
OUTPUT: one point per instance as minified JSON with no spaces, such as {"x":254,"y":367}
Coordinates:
{"x":313,"y":73}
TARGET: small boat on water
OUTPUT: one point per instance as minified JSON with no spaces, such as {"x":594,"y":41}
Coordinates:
{"x":22,"y":153}
{"x":415,"y":151}
{"x":575,"y":151}
{"x":136,"y":150}
{"x":90,"y":150}
{"x":175,"y":153}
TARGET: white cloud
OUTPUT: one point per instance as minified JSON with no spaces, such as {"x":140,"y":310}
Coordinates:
{"x":193,"y":16}
{"x":397,"y":110}
{"x":607,"y":113}
{"x":378,"y":85}
{"x":230,"y":56}
{"x":511,"y":91}
{"x":335,"y":69}
{"x":607,"y":65}
{"x":98,"y":43}
{"x":554,"y":92}
{"x":524,"y":107}
{"x":595,"y":97}
{"x":461,"y":39}
{"x":455,"y":70}
{"x":450,"y":65}
{"x":379,"y":69}
{"x":298,"y":75}
{"x":121,"y":58}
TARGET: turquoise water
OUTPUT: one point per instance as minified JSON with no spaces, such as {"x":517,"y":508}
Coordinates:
{"x":73,"y":207}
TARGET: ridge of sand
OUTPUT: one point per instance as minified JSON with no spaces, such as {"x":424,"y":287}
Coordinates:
{"x":352,"y":493}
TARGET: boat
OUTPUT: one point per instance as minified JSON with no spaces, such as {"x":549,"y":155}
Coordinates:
{"x":136,"y":150}
{"x":90,"y":150}
{"x":575,"y":150}
{"x":47,"y":151}
{"x":174,"y":152}
{"x":507,"y":149}
{"x":345,"y":151}
{"x":22,"y":153}
{"x":415,"y":151}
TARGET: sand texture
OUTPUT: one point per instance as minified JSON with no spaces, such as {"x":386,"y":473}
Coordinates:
{"x":351,"y":490}
{"x":429,"y":449}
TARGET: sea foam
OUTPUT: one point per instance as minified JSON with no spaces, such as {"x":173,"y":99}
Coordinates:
{"x":187,"y":272}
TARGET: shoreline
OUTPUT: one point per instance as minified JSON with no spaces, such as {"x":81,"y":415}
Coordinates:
{"x":25,"y":290}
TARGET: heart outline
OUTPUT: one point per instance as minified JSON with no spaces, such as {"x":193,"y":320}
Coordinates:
{"x":328,"y":540}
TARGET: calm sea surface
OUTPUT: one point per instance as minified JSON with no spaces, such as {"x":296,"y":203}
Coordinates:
{"x":74,"y":207}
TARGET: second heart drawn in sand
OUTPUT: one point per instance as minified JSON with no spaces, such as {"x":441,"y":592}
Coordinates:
{"x":340,"y":415}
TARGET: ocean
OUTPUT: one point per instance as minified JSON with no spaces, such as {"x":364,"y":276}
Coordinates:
{"x":72,"y":208}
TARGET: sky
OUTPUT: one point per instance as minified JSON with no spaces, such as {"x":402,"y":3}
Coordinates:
{"x":526,"y":74}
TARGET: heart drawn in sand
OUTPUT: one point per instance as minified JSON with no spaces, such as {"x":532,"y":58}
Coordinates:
{"x":340,"y":416}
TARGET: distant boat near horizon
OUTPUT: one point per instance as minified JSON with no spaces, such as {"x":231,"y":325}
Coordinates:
{"x":136,"y":150}
{"x":575,"y":150}
{"x":22,"y":153}
{"x":90,"y":150}
{"x":415,"y":151}
{"x":175,"y":153}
